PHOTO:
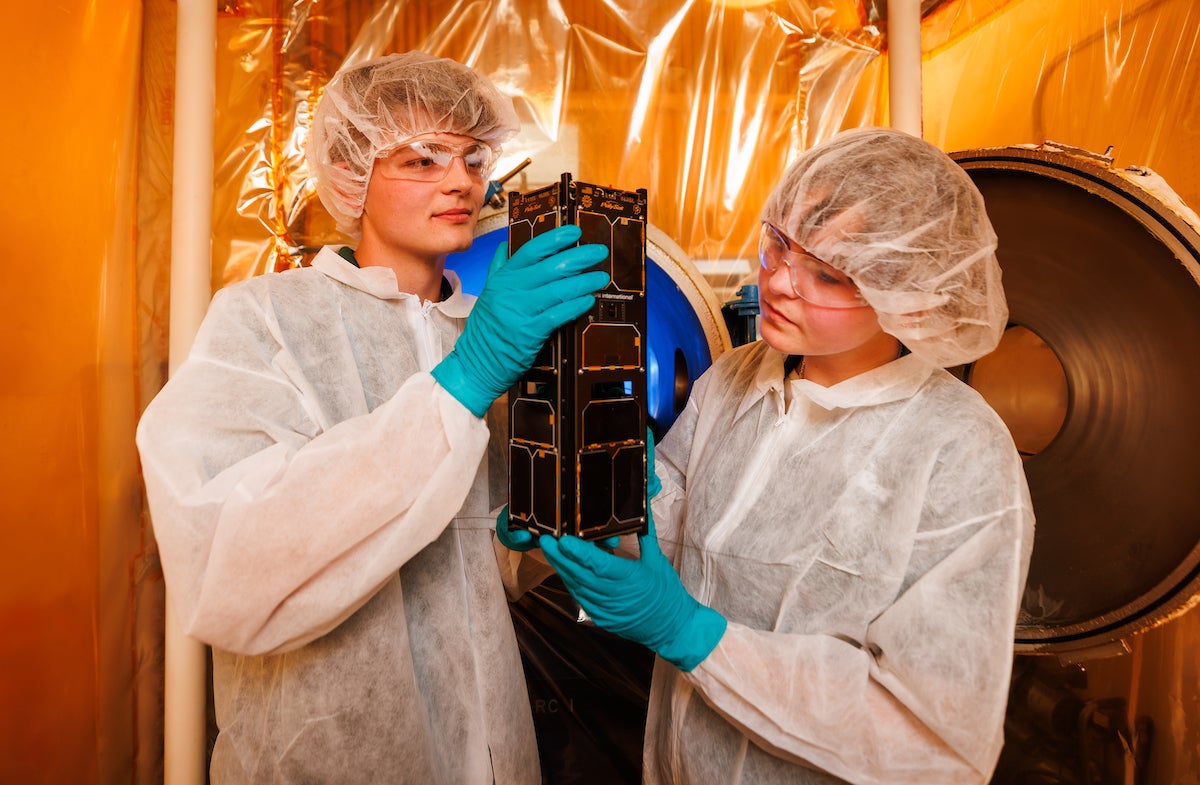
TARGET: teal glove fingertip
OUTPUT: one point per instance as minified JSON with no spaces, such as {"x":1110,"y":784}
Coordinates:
{"x":572,"y":545}
{"x":610,"y":543}
{"x":498,"y":258}
{"x":593,"y":252}
{"x":547,"y":244}
{"x":518,"y":540}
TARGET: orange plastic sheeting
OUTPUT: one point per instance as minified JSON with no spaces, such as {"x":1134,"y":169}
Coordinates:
{"x":1086,"y":73}
{"x":71,"y":533}
{"x":1161,"y":681}
{"x":702,"y":103}
{"x":1089,"y":74}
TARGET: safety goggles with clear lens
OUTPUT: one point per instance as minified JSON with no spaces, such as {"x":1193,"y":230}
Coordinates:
{"x":428,"y":160}
{"x":811,"y":279}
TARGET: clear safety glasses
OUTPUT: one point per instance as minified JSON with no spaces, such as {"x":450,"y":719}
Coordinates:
{"x":812,"y":280}
{"x":428,"y":160}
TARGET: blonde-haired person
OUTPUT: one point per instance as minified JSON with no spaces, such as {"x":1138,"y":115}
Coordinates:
{"x":319,"y":472}
{"x":845,"y":527}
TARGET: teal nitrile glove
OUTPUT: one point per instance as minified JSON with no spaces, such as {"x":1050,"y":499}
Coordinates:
{"x":643,"y":601}
{"x":515,"y":540}
{"x":524,"y":299}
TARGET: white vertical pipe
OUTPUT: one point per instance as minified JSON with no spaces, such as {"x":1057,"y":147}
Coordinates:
{"x":904,"y":65}
{"x":186,"y":694}
{"x":185,"y":737}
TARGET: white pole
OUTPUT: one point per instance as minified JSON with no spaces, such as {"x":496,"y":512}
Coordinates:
{"x":904,"y":65}
{"x":185,"y":717}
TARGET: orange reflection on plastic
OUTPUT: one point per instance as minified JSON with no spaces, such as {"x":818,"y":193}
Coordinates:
{"x":1086,"y":73}
{"x":702,"y":104}
{"x":71,"y":506}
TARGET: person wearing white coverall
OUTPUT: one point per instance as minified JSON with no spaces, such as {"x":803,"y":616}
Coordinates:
{"x":845,"y":527}
{"x":324,"y":468}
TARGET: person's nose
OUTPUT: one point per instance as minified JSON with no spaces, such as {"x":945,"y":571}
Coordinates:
{"x":779,"y":282}
{"x":457,"y":178}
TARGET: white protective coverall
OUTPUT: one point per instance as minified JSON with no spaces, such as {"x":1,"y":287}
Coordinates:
{"x":868,"y":544}
{"x":324,"y":515}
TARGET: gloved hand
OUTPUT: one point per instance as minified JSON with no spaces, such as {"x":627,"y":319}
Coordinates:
{"x":522,"y":540}
{"x":519,"y":540}
{"x":643,"y":601}
{"x":523,"y":301}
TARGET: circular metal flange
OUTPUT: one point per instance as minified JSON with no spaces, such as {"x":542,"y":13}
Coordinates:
{"x":1106,"y":276}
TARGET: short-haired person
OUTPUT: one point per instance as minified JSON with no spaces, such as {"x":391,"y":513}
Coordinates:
{"x":319,"y":472}
{"x":845,"y":527}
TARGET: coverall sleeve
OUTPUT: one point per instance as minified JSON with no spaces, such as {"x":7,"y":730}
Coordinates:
{"x":921,"y":699}
{"x":671,"y":459}
{"x":272,"y":527}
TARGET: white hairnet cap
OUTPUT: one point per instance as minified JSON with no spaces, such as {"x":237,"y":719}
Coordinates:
{"x":370,"y":107}
{"x":906,"y":223}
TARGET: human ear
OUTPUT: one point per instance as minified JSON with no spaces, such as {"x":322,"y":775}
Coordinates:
{"x":338,"y":182}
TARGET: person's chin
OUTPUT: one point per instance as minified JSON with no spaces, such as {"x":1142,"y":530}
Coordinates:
{"x":779,"y":339}
{"x":458,"y":238}
{"x":462,"y":245}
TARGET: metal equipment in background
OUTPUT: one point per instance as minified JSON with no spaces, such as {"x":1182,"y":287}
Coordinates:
{"x":1095,"y":377}
{"x":741,"y":315}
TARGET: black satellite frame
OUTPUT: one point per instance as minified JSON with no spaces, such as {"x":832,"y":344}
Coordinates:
{"x":577,"y":418}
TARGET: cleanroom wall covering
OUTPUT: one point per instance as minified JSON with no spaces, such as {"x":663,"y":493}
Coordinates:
{"x":700,"y":103}
{"x":73,"y":574}
{"x":704,"y":103}
{"x":1087,"y":73}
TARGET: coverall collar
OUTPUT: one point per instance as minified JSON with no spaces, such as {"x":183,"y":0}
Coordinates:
{"x":381,"y":282}
{"x":894,"y":381}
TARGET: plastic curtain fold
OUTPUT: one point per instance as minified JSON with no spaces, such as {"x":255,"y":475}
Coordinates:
{"x":80,"y":595}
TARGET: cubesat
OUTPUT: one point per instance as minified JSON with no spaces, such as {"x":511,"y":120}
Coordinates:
{"x":577,"y":418}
